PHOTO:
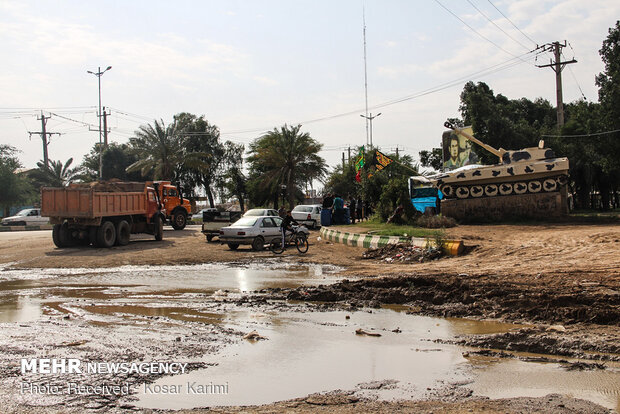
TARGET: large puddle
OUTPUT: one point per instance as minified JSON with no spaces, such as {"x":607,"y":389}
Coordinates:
{"x":305,"y":352}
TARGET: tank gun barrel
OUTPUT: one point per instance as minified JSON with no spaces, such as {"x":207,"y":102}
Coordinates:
{"x":494,"y":151}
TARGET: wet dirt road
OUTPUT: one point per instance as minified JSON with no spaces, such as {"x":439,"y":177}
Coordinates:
{"x":200,"y":313}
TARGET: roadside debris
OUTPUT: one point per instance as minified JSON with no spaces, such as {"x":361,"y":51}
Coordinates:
{"x":254,"y":336}
{"x":363,"y":332}
{"x":403,"y":252}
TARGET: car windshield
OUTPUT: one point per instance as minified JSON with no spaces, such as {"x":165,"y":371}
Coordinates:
{"x":303,"y":209}
{"x":23,"y":213}
{"x":255,"y":212}
{"x":245,"y":222}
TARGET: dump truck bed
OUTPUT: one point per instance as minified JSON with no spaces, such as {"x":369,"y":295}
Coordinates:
{"x":89,"y":203}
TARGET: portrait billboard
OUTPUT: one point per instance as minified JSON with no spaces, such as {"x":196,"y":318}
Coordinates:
{"x":457,"y":150}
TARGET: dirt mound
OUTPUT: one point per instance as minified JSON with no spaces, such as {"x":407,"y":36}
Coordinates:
{"x":466,"y":296}
{"x":402,"y":252}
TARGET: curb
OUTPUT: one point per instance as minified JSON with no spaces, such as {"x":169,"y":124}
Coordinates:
{"x":451,"y":247}
{"x":26,"y":228}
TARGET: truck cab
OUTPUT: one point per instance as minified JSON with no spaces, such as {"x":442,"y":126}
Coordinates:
{"x":177,"y":208}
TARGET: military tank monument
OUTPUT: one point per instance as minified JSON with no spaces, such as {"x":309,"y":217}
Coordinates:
{"x":529,"y":182}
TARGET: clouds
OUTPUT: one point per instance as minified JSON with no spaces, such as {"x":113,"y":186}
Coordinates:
{"x":251,"y":64}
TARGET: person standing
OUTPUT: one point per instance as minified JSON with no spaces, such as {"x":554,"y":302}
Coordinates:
{"x":359,"y":212}
{"x":326,"y":210}
{"x":338,"y":209}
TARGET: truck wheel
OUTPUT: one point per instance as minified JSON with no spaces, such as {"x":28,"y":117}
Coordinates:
{"x":106,"y":234}
{"x":233,"y":246}
{"x":158,"y":230}
{"x":210,"y":237}
{"x":56,"y":235}
{"x":179,"y":220}
{"x":258,"y":244}
{"x":123,"y":232}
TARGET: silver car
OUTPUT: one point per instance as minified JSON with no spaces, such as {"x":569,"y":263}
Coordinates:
{"x":308,"y":214}
{"x":256,"y":231}
{"x":26,"y":217}
{"x":261,"y":212}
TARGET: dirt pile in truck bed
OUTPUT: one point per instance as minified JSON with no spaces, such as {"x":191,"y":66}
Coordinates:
{"x":111,"y":186}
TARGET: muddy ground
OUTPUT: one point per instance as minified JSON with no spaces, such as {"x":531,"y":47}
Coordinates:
{"x":562,"y":280}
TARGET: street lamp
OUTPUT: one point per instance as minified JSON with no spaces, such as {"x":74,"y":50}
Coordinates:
{"x":98,"y":75}
{"x":370,"y":118}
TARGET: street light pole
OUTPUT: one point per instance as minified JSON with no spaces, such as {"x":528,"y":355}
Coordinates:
{"x":98,"y":74}
{"x":370,"y":117}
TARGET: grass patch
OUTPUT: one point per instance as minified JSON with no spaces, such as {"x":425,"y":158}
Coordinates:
{"x":382,"y":229}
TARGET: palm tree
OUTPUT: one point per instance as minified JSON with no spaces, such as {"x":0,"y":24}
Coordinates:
{"x":287,"y":157}
{"x":161,"y":152}
{"x":56,"y":174}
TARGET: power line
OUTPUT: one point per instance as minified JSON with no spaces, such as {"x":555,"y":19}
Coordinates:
{"x":495,"y":24}
{"x":513,"y":25}
{"x":474,"y":30}
{"x":582,"y":135}
{"x":488,"y":71}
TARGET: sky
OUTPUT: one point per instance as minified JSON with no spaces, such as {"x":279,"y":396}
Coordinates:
{"x":251,"y":66}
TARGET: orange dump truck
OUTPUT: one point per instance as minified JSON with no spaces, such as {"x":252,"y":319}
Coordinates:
{"x":102,"y":214}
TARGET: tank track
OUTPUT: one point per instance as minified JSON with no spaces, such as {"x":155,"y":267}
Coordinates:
{"x":465,"y":191}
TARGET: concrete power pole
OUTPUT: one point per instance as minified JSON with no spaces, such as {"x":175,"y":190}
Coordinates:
{"x":44,"y":137}
{"x":105,"y":128}
{"x":557,"y":65}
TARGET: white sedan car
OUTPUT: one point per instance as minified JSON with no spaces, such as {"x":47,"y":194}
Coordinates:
{"x":253,"y":230}
{"x":307,"y":214}
{"x":261,"y":212}
{"x":26,"y":217}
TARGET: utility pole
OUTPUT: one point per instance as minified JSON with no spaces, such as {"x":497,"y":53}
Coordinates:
{"x":105,"y":128}
{"x":365,"y":77}
{"x":343,"y":161}
{"x":349,"y":154}
{"x":397,"y":151}
{"x":557,"y":66}
{"x":98,"y":74}
{"x":44,"y":137}
{"x":369,"y":118}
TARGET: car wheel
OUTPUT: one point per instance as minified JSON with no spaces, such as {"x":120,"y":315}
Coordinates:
{"x":233,"y":246}
{"x":123,"y":232}
{"x":210,"y":237}
{"x":258,"y":244}
{"x":106,"y":234}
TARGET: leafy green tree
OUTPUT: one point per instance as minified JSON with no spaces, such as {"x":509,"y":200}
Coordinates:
{"x":287,"y":157}
{"x":15,"y":188}
{"x":504,"y":123}
{"x":432,"y":159}
{"x":198,"y":136}
{"x":234,"y":181}
{"x":162,"y":154}
{"x":114,"y":162}
{"x":56,"y":174}
{"x":609,"y":97}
